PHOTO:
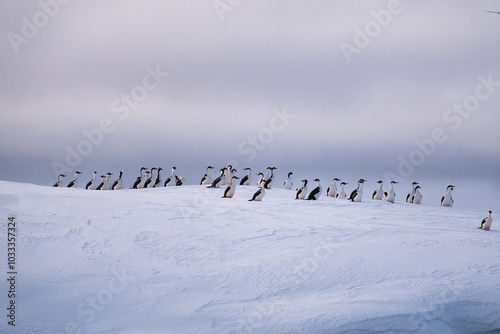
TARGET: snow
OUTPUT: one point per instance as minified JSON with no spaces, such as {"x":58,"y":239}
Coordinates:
{"x":185,"y":260}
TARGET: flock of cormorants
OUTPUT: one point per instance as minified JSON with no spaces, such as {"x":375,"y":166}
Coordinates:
{"x":152,"y":179}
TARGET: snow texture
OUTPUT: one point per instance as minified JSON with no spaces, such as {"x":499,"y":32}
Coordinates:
{"x":185,"y":260}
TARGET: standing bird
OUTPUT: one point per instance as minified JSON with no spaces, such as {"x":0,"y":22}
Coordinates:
{"x":245,"y":181}
{"x":417,"y":197}
{"x":302,"y":190}
{"x":218,"y":181}
{"x":139,"y":178}
{"x":260,"y":183}
{"x":263,"y":179}
{"x":149,"y":182}
{"x":157,"y":182}
{"x":105,"y":186}
{"x":228,"y":175}
{"x":59,"y":182}
{"x":391,"y":195}
{"x":411,"y":193}
{"x":143,"y":180}
{"x":74,"y":183}
{"x":332,"y":190}
{"x":207,"y":178}
{"x":486,"y":223}
{"x":92,"y":184}
{"x":268,"y":184}
{"x":118,"y":184}
{"x":101,"y":184}
{"x":172,"y":180}
{"x":378,"y":194}
{"x":288,"y":184}
{"x":180,"y":181}
{"x":447,"y":200}
{"x":357,"y":194}
{"x":259,"y":194}
{"x":316,"y":192}
{"x":230,"y":190}
{"x":341,"y":194}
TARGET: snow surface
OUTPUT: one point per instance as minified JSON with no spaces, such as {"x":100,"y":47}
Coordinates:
{"x":185,"y":260}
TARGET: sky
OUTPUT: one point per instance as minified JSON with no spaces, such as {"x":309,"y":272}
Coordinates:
{"x":403,"y":90}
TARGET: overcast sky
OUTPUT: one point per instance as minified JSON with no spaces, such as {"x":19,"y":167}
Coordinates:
{"x":323,"y":87}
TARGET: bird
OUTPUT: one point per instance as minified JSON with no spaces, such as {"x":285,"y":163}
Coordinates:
{"x":263,"y":179}
{"x":341,"y":194}
{"x":316,"y":192}
{"x":180,"y":181}
{"x":207,"y":178}
{"x":139,"y":178}
{"x":74,"y":183}
{"x":288,"y":184}
{"x":143,"y":180}
{"x":218,"y":181}
{"x":411,"y":193}
{"x":260,"y":183}
{"x":105,"y":185}
{"x":172,"y":180}
{"x":59,"y":182}
{"x":331,"y":191}
{"x":230,"y":190}
{"x":247,"y":179}
{"x":268,"y":184}
{"x":101,"y":184}
{"x":259,"y":194}
{"x":357,"y":194}
{"x":302,"y":190}
{"x":118,"y":184}
{"x":417,"y":197}
{"x":491,"y":11}
{"x":92,"y":184}
{"x":391,"y":195}
{"x":158,"y":178}
{"x":149,"y":182}
{"x":378,"y":194}
{"x":447,"y":200}
{"x":486,"y":223}
{"x":227,"y":175}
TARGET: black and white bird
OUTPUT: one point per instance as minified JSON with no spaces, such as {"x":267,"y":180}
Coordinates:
{"x":101,"y":184}
{"x":144,"y":179}
{"x":341,"y":194}
{"x":331,"y":191}
{"x":411,"y":193}
{"x":390,"y":196}
{"x":228,"y":175}
{"x":486,"y":223}
{"x":74,"y":183}
{"x":247,"y":179}
{"x":268,"y":184}
{"x":260,"y":183}
{"x":157,"y":182}
{"x":447,"y":200}
{"x":316,"y":192}
{"x":288,"y":184}
{"x":118,"y":184}
{"x":264,"y":178}
{"x":59,"y":182}
{"x":150,"y":180}
{"x":207,"y":178}
{"x":378,"y":194}
{"x":259,"y":194}
{"x":231,"y":189}
{"x":180,"y":181}
{"x":417,"y":197}
{"x":172,"y":180}
{"x":139,"y":178}
{"x":357,"y":194}
{"x":92,"y":184}
{"x":218,"y":181}
{"x":105,"y":186}
{"x":302,"y":190}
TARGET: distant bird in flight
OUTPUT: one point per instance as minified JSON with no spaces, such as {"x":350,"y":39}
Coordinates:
{"x":489,"y":11}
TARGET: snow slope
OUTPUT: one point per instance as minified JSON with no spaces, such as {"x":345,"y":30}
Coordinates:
{"x":184,"y":260}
